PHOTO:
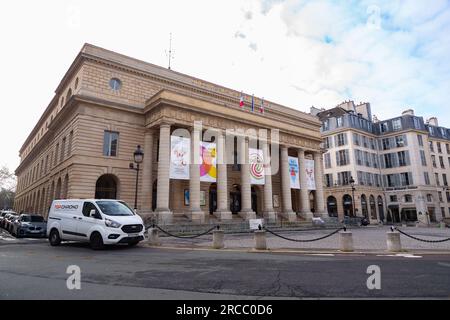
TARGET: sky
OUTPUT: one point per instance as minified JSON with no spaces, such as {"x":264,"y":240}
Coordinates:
{"x":393,"y":54}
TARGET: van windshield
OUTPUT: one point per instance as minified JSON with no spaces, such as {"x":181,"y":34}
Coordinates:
{"x":114,"y":208}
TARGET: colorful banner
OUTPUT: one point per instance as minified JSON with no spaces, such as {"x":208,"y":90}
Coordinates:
{"x":310,"y":174}
{"x":256,"y":160}
{"x":293,"y":173}
{"x":208,"y":171}
{"x":179,"y":158}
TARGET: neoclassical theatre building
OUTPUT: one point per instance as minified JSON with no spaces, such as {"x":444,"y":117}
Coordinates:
{"x":107,"y":104}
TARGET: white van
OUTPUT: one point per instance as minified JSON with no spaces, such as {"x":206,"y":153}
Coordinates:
{"x":98,"y":222}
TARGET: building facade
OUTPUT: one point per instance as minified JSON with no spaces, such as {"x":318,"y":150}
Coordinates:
{"x":107,"y":104}
{"x":399,"y":167}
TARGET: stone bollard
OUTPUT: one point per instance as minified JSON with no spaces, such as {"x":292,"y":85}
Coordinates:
{"x":260,"y":240}
{"x":218,"y":239}
{"x":346,"y":241}
{"x":153,"y":237}
{"x":393,"y":241}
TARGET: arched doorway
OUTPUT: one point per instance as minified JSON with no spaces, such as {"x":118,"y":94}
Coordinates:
{"x":380,"y":208}
{"x":65,"y":188}
{"x":235,"y":199}
{"x":255,"y":199}
{"x":347,"y":203}
{"x":373,"y":207}
{"x":38,"y":202}
{"x":364,"y":207}
{"x":212,"y":198}
{"x":106,"y":187}
{"x":154,"y":194}
{"x":312,"y":201}
{"x":332,"y":206}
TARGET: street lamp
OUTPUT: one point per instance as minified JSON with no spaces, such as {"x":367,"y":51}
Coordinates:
{"x":138,"y":157}
{"x":352,"y":183}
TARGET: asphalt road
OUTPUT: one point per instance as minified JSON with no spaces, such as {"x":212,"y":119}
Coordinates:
{"x":35,"y":270}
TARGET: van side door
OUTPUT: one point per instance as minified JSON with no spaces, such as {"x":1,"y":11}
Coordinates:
{"x":87,"y":222}
{"x":69,"y":218}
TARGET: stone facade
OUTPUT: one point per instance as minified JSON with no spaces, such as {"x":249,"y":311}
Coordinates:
{"x":105,"y":95}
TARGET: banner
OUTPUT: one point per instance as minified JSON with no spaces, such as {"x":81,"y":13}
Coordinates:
{"x":179,"y":158}
{"x":310,"y":174}
{"x":208,"y":171}
{"x":293,"y":173}
{"x":256,"y":160}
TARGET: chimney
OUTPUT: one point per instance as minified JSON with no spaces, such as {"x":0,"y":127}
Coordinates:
{"x":433,"y":121}
{"x":408,"y":112}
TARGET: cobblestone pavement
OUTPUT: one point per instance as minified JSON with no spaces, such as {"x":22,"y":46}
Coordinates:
{"x":368,"y":238}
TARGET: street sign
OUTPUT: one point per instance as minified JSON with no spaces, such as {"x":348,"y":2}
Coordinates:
{"x":255,"y":223}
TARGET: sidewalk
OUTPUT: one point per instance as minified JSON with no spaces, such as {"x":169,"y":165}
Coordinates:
{"x":365,"y":240}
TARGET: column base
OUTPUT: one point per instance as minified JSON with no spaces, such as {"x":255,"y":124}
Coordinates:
{"x":270,"y":216}
{"x":164,"y":215}
{"x":290,"y":216}
{"x":197,"y":216}
{"x":307,"y":215}
{"x":247,"y":214}
{"x":223,"y":215}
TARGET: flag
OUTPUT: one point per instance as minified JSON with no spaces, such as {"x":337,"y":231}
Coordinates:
{"x":241,"y":100}
{"x":253,"y":102}
{"x":261,"y":109}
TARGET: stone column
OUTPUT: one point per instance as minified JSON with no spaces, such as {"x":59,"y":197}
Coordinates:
{"x":162,"y":198}
{"x":305,"y":208}
{"x":223,"y":206}
{"x":286,"y":186}
{"x":147,"y":179}
{"x":246,"y":188}
{"x":268,"y":212}
{"x":195,"y":211}
{"x":320,"y":198}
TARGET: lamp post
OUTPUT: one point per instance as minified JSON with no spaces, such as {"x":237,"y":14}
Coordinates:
{"x":352,"y":183}
{"x":138,"y":157}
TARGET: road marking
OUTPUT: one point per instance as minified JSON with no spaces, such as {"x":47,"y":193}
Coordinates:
{"x":444,"y":264}
{"x":322,"y":254}
{"x":400,"y":255}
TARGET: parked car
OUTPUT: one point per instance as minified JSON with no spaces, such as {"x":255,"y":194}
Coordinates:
{"x":29,"y":225}
{"x":9,"y":218}
{"x":98,"y":222}
{"x":2,"y":217}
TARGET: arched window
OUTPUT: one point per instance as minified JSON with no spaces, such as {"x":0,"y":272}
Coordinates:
{"x":332,"y":206}
{"x":347,"y":203}
{"x":373,"y":208}
{"x":364,"y":209}
{"x":106,"y":187}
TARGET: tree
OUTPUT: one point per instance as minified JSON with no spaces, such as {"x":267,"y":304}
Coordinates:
{"x":7,"y":188}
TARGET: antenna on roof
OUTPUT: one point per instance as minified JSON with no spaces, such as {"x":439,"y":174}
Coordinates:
{"x":169,"y":54}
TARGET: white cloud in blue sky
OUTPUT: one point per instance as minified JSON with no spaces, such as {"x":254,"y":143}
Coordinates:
{"x":394,"y":54}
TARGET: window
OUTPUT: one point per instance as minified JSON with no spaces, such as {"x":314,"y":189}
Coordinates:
{"x":356,"y":139}
{"x":388,"y":160}
{"x":393,"y":198}
{"x":397,"y":124}
{"x":426,"y":178}
{"x":440,"y":196}
{"x":405,"y":179}
{"x":444,"y":179}
{"x":329,"y":180}
{"x":436,"y":176}
{"x":402,"y":162}
{"x":420,"y":140}
{"x":339,"y":122}
{"x":441,"y":162}
{"x":341,"y":139}
{"x":87,"y":207}
{"x":431,"y":146}
{"x":115,"y":84}
{"x":431,"y":130}
{"x":385,"y":143}
{"x":63,"y":147}
{"x":447,"y":146}
{"x":400,"y":141}
{"x":342,"y":158}
{"x":328,"y":142}
{"x":372,"y":144}
{"x":443,"y":212}
{"x":439,"y":147}
{"x":429,"y":198}
{"x":384,"y":127}
{"x":327,"y":160}
{"x":423,"y":158}
{"x":344,"y":178}
{"x":448,"y":196}
{"x":433,"y":161}
{"x":365,"y":144}
{"x":417,"y":123}
{"x":69,"y":147}
{"x":110,"y":144}
{"x":408,"y":198}
{"x":326,"y":125}
{"x":56,"y":154}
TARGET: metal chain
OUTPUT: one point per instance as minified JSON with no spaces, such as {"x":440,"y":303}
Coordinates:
{"x":185,"y":237}
{"x":307,"y":240}
{"x":423,"y":240}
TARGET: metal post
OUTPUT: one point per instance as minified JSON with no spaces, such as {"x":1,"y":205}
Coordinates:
{"x":136,"y":190}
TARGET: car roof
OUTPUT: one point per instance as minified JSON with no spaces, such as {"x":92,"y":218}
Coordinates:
{"x":69,"y":200}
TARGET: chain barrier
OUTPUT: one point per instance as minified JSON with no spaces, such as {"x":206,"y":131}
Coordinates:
{"x":304,"y":240}
{"x":185,"y":237}
{"x":418,"y":239}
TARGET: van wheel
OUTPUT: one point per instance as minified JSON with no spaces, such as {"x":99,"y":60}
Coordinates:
{"x":54,"y":238}
{"x":96,"y":241}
